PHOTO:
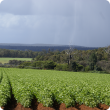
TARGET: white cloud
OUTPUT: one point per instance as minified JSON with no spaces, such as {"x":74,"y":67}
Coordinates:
{"x":8,"y":20}
{"x":14,"y":21}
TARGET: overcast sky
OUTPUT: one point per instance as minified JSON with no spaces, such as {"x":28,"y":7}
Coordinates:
{"x":75,"y":22}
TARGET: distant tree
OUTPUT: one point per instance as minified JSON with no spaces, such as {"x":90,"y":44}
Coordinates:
{"x":98,"y":68}
{"x":49,"y":65}
{"x":73,"y":66}
{"x":93,"y":58}
{"x":49,"y":50}
{"x":91,"y":66}
{"x":99,"y":57}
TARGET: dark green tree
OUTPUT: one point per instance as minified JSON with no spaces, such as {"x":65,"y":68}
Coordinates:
{"x":73,"y":66}
{"x":93,"y":58}
{"x":91,"y":66}
{"x":49,"y":65}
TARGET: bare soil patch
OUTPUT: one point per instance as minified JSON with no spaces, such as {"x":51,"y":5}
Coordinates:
{"x":13,"y":105}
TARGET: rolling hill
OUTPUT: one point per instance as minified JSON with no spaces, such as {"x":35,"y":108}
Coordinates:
{"x":40,"y":47}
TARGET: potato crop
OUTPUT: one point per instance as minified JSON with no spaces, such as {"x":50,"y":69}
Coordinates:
{"x":48,"y":86}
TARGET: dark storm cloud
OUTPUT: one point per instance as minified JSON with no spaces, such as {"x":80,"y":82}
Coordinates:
{"x":81,"y":22}
{"x":93,"y":24}
{"x":44,"y":20}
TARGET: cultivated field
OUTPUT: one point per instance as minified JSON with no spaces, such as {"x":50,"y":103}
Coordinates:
{"x":6,"y":60}
{"x":54,"y":87}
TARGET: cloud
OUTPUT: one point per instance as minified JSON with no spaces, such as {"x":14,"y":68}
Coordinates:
{"x":36,"y":28}
{"x":92,"y":24}
{"x":53,"y":7}
{"x":8,"y":20}
{"x":17,"y":21}
{"x":17,"y":7}
{"x":38,"y":7}
{"x":55,"y":21}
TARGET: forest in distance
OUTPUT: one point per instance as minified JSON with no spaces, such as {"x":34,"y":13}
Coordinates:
{"x":40,"y":47}
{"x":66,"y":60}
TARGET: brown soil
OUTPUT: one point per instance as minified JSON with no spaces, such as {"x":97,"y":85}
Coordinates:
{"x":13,"y":105}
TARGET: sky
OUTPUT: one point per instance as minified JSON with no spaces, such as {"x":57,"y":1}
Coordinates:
{"x":64,"y":22}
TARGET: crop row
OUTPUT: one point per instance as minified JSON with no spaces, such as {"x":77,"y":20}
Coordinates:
{"x":63,"y":87}
{"x":5,"y":90}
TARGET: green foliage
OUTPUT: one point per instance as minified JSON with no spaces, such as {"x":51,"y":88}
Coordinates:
{"x":93,"y":58}
{"x":58,"y":67}
{"x":5,"y":90}
{"x":48,"y":86}
{"x":17,"y":53}
{"x":26,"y":64}
{"x":63,"y":67}
{"x":6,"y":60}
{"x":98,"y":68}
{"x":79,"y":67}
{"x":75,"y":67}
{"x":87,"y":68}
{"x":99,"y":57}
{"x":33,"y":64}
{"x":105,"y":65}
{"x":91,"y":66}
{"x":82,"y":57}
{"x":21,"y":66}
{"x":39,"y":64}
{"x":49,"y":65}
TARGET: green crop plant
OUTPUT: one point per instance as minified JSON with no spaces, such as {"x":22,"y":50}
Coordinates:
{"x":59,"y":86}
{"x":5,"y":91}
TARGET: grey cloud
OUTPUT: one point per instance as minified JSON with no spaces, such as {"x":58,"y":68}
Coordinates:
{"x":91,"y":28}
{"x":56,"y":7}
{"x":38,"y":7}
{"x":17,"y":7}
{"x":81,"y":22}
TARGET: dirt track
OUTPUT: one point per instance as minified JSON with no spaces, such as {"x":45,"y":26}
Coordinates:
{"x":38,"y":106}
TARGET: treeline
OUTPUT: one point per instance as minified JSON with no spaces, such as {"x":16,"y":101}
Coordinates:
{"x":67,"y":60}
{"x":24,"y":54}
{"x":51,"y":65}
{"x":19,"y":53}
{"x":40,"y":48}
{"x":72,"y":60}
{"x":30,"y":53}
